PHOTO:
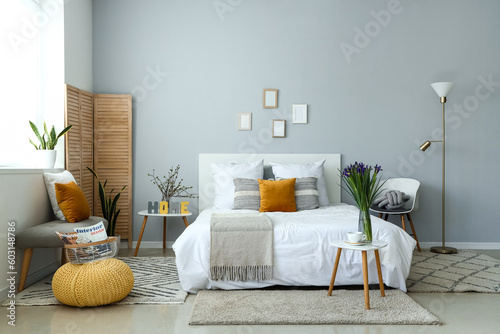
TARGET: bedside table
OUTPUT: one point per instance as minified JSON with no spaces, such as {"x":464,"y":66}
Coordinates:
{"x":375,"y":245}
{"x":164,"y":215}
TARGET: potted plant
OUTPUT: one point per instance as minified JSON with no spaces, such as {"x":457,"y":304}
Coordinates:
{"x":108,"y":204}
{"x":45,"y":150}
{"x":170,"y":187}
{"x":362,"y":184}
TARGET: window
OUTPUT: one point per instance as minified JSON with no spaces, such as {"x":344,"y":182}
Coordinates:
{"x":19,"y":84}
{"x":32,"y":67}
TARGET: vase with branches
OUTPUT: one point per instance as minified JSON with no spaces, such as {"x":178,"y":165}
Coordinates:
{"x":170,"y":185}
{"x":108,"y":203}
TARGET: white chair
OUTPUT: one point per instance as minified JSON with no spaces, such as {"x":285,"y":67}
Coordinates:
{"x":409,"y":187}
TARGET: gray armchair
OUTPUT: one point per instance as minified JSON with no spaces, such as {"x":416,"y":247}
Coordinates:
{"x":44,"y":236}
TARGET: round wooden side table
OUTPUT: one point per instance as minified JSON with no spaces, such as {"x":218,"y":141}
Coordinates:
{"x":375,"y":245}
{"x":164,"y":215}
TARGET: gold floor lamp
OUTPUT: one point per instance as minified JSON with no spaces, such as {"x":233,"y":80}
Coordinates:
{"x":442,"y":89}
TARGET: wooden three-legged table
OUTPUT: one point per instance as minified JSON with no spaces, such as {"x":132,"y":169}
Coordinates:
{"x":164,"y":215}
{"x":375,"y":245}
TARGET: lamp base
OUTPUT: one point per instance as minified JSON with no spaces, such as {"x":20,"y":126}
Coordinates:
{"x":444,"y":250}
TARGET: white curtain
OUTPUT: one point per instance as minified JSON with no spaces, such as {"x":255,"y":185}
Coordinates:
{"x":23,"y":66}
{"x":19,"y":84}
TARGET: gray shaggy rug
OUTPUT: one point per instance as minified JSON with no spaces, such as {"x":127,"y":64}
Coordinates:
{"x":306,"y":307}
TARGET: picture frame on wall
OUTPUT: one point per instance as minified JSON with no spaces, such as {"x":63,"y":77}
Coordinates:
{"x":279,"y":128}
{"x":270,"y":98}
{"x":245,"y":121}
{"x":299,"y":113}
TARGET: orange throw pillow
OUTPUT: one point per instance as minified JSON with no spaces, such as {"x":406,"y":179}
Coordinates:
{"x":72,"y":202}
{"x":277,"y":195}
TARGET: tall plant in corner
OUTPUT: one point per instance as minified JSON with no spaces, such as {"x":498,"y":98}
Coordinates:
{"x":51,"y":141}
{"x":108,"y":203}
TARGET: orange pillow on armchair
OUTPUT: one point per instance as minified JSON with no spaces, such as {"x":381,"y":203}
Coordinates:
{"x":72,"y":202}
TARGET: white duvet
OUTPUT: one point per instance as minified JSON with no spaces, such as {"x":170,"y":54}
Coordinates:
{"x":302,"y":251}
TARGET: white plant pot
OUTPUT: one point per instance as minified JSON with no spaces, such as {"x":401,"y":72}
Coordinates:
{"x":45,"y":159}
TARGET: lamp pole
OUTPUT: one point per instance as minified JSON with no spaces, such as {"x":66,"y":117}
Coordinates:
{"x":443,"y":249}
{"x":442,"y":89}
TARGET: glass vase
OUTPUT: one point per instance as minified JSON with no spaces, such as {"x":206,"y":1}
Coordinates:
{"x":365,"y":224}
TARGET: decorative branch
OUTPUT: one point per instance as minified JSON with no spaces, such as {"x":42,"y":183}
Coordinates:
{"x":169,"y":187}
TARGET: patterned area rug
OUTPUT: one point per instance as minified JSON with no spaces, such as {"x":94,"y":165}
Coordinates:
{"x":155,"y":282}
{"x":467,"y":271}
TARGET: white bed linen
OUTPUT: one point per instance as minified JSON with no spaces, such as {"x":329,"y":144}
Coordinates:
{"x":302,"y":251}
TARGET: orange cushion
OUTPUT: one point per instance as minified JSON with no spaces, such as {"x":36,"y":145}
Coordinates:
{"x":72,"y":202}
{"x":277,"y":195}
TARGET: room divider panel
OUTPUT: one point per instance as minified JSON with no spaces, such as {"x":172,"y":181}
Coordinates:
{"x":80,"y":140}
{"x":101,"y":138}
{"x":113,"y":154}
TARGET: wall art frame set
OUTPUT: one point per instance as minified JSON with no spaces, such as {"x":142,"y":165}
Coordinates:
{"x":270,"y":101}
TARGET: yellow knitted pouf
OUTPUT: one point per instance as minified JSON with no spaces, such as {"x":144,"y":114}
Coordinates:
{"x":93,"y":284}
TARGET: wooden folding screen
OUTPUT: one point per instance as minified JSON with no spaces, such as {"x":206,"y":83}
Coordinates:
{"x":113,"y":154}
{"x":80,"y":140}
{"x":101,"y":138}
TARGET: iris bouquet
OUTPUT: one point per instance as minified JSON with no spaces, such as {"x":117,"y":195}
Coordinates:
{"x":362,"y":183}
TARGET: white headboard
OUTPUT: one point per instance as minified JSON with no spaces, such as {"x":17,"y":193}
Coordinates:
{"x":206,"y":184}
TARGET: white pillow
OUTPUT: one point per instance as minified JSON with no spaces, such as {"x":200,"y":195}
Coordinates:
{"x":304,"y":170}
{"x":223,"y":178}
{"x":50,"y":183}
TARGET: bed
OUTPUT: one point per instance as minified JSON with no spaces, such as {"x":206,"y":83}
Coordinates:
{"x":303,"y":255}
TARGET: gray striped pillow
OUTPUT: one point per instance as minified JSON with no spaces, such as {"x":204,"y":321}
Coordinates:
{"x":246,"y":194}
{"x":306,"y":193}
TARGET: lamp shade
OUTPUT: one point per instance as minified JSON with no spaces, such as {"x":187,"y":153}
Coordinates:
{"x":442,"y":88}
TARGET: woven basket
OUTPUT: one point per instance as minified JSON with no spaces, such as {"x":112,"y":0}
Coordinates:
{"x":93,"y":284}
{"x":93,"y":251}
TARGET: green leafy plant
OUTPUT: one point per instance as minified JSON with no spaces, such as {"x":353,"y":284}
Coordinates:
{"x":108,"y":204}
{"x":362,"y":183}
{"x":50,"y":142}
{"x":169,"y":186}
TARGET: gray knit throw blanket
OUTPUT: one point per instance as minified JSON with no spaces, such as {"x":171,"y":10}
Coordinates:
{"x":391,"y":200}
{"x":241,"y":247}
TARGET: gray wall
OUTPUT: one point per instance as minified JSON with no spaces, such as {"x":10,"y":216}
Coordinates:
{"x":371,"y":102}
{"x":78,"y":43}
